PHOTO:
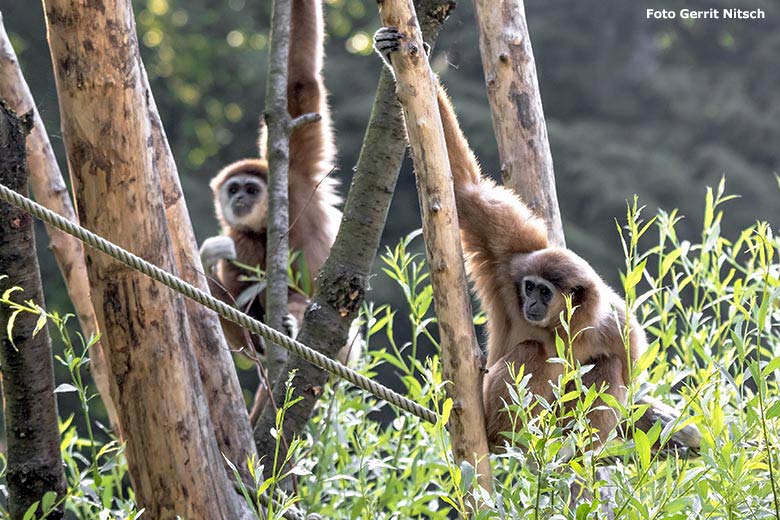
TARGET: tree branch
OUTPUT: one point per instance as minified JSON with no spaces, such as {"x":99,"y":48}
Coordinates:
{"x":516,"y":105}
{"x":416,"y":89}
{"x":279,"y":124}
{"x":343,"y":279}
{"x":30,"y":412}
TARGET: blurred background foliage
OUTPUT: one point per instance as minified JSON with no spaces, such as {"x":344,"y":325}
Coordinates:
{"x":658,"y":108}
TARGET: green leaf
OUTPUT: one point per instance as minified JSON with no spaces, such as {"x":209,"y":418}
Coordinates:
{"x":8,"y":292}
{"x":770,"y":367}
{"x":30,"y":513}
{"x":40,"y":323}
{"x":635,"y":276}
{"x":446,"y":409}
{"x":669,"y":261}
{"x":65,"y":388}
{"x":9,"y":329}
{"x":642,"y":447}
{"x":647,"y":358}
{"x":48,"y":501}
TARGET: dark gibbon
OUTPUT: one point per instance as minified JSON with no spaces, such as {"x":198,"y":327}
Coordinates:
{"x":240,"y":189}
{"x":521,"y":282}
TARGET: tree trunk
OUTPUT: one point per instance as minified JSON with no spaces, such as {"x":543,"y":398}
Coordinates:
{"x":279,"y":128}
{"x":516,"y":104}
{"x":175,"y":465}
{"x":217,"y":371}
{"x":341,"y":283}
{"x":49,"y":189}
{"x":32,"y":433}
{"x":416,"y":89}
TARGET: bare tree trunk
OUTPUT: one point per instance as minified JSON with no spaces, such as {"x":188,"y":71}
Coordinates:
{"x":416,"y":90}
{"x":175,"y":464}
{"x":49,"y":189}
{"x":217,"y":371}
{"x":342,"y":281}
{"x":32,"y":433}
{"x":516,"y":104}
{"x":279,"y":129}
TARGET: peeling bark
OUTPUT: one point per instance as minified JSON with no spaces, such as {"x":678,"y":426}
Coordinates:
{"x":174,"y":461}
{"x":516,"y":105}
{"x":30,"y":411}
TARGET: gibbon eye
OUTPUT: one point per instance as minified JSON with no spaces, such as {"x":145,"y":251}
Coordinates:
{"x":529,"y":286}
{"x":232,"y":188}
{"x":251,"y":189}
{"x":545,"y":291}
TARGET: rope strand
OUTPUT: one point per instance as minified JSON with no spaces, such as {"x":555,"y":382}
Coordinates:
{"x":152,"y":271}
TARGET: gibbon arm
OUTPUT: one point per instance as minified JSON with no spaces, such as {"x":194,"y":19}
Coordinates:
{"x":494,"y":222}
{"x":311,"y":146}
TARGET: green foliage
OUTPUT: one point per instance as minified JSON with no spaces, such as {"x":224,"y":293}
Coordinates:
{"x":95,"y":469}
{"x":712,"y":312}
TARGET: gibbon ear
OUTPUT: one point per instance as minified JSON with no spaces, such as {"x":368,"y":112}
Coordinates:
{"x":577,"y":293}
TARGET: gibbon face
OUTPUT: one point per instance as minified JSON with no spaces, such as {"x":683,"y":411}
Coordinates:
{"x":542,"y":302}
{"x":544,"y":278}
{"x":242,"y":195}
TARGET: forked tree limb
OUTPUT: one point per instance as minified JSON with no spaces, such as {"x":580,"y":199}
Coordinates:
{"x":416,"y":90}
{"x":341,"y":283}
{"x":49,"y":189}
{"x":516,"y":105}
{"x":30,"y":406}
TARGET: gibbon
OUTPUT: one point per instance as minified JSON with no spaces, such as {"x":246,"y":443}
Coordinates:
{"x":521,"y":282}
{"x":241,"y":197}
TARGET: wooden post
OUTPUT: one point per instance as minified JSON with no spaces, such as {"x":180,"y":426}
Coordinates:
{"x":30,"y":408}
{"x":416,"y":90}
{"x":516,"y":104}
{"x":49,"y":189}
{"x":217,"y":371}
{"x":174,"y":461}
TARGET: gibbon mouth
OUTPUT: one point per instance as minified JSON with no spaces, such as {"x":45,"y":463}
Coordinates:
{"x":534,"y":316}
{"x":241,"y":209}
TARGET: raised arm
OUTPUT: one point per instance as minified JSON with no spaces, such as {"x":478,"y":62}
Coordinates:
{"x":312,"y":152}
{"x":494,"y":221}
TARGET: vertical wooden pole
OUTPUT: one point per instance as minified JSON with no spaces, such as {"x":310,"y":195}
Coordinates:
{"x":416,"y":90}
{"x":516,"y":104}
{"x":175,"y":463}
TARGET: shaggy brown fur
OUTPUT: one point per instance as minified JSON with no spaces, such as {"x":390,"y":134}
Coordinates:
{"x":505,"y":243}
{"x":312,"y":194}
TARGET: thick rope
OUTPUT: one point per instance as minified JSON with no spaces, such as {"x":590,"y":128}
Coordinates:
{"x":221,"y":308}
